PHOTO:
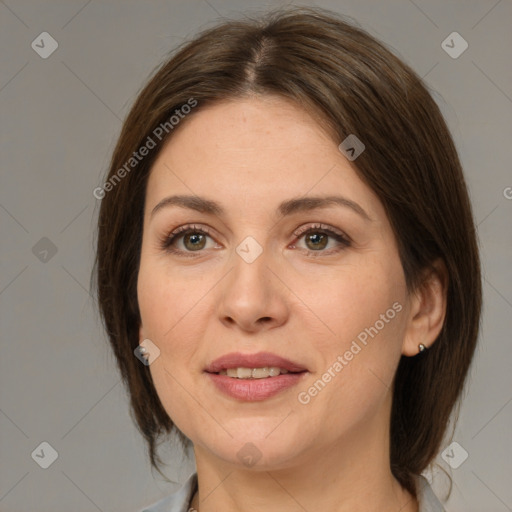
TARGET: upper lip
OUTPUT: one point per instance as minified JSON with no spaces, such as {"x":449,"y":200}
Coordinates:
{"x":259,"y":360}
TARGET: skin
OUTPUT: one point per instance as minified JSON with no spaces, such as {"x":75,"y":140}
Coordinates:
{"x":331,"y":454}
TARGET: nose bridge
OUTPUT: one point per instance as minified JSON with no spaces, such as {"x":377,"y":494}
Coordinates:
{"x":251,"y":291}
{"x":250,"y":275}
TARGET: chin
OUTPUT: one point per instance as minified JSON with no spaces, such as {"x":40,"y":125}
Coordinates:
{"x":256,"y":452}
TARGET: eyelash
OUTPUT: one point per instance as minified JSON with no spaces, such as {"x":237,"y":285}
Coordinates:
{"x":167,"y":241}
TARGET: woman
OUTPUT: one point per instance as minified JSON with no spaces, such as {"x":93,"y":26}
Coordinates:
{"x":287,"y":246}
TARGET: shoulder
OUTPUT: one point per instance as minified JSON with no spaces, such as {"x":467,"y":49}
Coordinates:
{"x":428,"y":501}
{"x":178,"y":501}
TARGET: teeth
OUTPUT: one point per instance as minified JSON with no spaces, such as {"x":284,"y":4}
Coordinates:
{"x":253,"y":373}
{"x":274,"y":372}
{"x":244,"y":373}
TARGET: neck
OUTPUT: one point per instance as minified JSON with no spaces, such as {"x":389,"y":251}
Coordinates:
{"x":352,"y":475}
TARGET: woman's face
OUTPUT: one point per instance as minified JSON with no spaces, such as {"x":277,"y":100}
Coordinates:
{"x":271,"y":269}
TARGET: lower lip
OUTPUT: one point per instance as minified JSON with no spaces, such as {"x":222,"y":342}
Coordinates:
{"x":251,"y":390}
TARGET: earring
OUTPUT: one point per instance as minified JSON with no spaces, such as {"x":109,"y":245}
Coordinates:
{"x":144,"y":352}
{"x":422,"y":347}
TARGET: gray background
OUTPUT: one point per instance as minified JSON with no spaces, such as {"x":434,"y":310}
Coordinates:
{"x":60,"y":119}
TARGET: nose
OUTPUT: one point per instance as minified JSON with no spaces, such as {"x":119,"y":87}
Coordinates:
{"x":253,"y":296}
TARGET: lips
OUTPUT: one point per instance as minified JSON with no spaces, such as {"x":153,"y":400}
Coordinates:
{"x":259,"y":360}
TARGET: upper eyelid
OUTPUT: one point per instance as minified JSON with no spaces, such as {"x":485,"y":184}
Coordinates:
{"x":297,"y":232}
{"x":302,"y":229}
{"x":320,"y":226}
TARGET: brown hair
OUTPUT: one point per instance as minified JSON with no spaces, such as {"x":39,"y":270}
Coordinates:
{"x":353,"y":85}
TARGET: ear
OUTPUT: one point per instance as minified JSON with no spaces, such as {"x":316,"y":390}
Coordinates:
{"x":427,"y":310}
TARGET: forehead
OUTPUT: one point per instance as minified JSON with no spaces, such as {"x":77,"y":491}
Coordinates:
{"x":250,"y":125}
{"x":262,"y":149}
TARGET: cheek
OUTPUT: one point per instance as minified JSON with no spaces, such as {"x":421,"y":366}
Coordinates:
{"x":169,"y":307}
{"x":349,"y":299}
{"x":164,"y":297}
{"x":363,"y":306}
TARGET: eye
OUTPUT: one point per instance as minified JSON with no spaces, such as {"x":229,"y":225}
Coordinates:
{"x":190,"y":238}
{"x":316,"y":238}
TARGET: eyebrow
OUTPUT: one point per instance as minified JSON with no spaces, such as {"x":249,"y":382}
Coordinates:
{"x":289,"y":207}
